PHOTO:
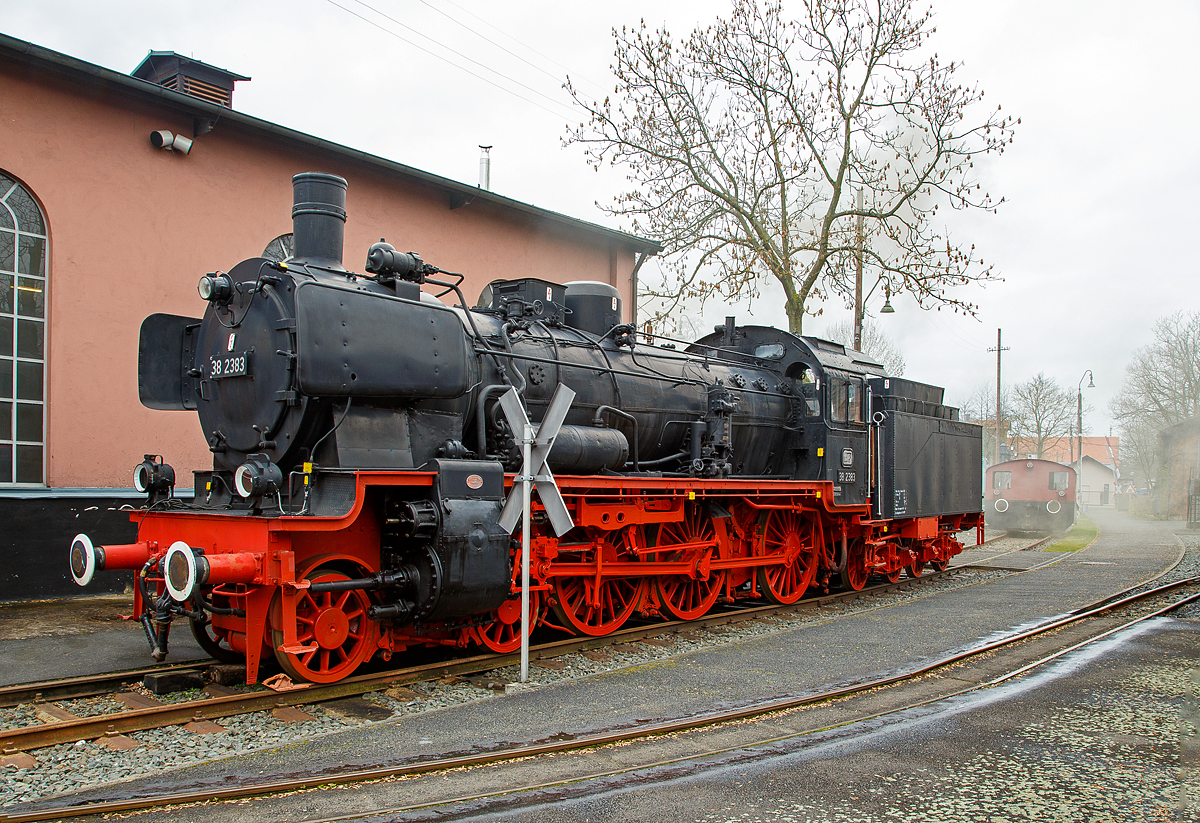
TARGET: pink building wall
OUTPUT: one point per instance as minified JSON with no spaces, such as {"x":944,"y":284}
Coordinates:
{"x":132,"y":228}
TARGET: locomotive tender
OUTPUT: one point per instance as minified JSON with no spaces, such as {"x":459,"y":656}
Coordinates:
{"x":361,"y":462}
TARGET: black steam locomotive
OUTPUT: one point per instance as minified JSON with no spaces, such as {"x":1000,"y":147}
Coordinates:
{"x":361,"y":462}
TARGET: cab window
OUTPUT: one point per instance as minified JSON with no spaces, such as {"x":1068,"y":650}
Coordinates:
{"x":846,"y":399}
{"x":1002,"y":480}
{"x":809,"y":391}
{"x":854,"y":403}
{"x":1058,"y":481}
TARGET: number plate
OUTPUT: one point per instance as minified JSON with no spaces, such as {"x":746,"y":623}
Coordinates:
{"x":234,"y":364}
{"x":847,"y":477}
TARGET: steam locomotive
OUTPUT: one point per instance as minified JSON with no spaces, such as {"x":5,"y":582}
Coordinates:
{"x":361,"y":462}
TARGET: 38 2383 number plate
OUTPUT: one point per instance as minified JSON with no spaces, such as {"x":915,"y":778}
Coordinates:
{"x":234,"y":364}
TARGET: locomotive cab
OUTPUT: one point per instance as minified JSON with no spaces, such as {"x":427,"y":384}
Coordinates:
{"x":844,"y":459}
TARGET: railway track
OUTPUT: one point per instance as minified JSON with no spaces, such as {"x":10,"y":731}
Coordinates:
{"x":60,"y":726}
{"x":1151,"y":603}
{"x":49,"y":691}
{"x":69,"y":730}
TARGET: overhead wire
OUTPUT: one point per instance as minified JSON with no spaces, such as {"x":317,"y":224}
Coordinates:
{"x":516,"y":40}
{"x":563,"y":107}
{"x":949,"y":331}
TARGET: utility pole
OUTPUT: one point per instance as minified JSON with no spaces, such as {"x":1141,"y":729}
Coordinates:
{"x":998,"y":350}
{"x":858,"y":267}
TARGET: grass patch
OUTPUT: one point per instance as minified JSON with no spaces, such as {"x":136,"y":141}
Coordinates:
{"x":1081,"y":534}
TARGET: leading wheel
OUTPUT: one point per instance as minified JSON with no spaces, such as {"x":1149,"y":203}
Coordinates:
{"x":915,"y":568}
{"x":588,"y":606}
{"x":503,"y":634}
{"x":892,"y":577}
{"x":214,"y":644}
{"x":940,"y":565}
{"x":787,"y":533}
{"x":333,"y":626}
{"x":684,"y":596}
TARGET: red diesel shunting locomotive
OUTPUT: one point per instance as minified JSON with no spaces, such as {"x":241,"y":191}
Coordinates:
{"x":1030,"y":495}
{"x":360,"y":463}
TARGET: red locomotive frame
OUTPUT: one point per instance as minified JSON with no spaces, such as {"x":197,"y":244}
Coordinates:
{"x":648,"y":546}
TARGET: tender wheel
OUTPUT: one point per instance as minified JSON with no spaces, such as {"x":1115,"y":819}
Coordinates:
{"x":591,"y":609}
{"x":915,"y":568}
{"x":854,"y":576}
{"x":503,"y":634}
{"x":683,"y":596}
{"x":334,"y":624}
{"x":787,"y":532}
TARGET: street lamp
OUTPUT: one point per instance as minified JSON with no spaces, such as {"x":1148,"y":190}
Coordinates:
{"x":859,"y":300}
{"x":1079,"y":433}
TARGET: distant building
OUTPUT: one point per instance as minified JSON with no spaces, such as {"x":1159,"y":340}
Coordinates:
{"x":117,"y":192}
{"x":1064,"y":450}
{"x":1098,"y":482}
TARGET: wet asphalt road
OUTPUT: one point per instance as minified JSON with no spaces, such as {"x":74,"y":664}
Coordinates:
{"x":1096,"y":737}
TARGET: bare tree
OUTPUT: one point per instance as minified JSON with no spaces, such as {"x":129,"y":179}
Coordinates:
{"x":1139,"y":450}
{"x":1162,"y":380}
{"x":1161,"y":389}
{"x":1042,"y":411}
{"x":742,"y":141}
{"x":874,"y":343}
{"x":979,"y":405}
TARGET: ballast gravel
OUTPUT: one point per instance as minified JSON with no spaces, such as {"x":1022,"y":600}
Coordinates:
{"x":70,"y":768}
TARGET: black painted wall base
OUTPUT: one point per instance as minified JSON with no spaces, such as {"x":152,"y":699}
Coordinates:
{"x":36,"y":538}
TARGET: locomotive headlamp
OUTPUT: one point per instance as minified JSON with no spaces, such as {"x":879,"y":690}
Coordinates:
{"x":179,"y":571}
{"x":152,"y":476}
{"x":216,"y":288}
{"x":257,"y":476}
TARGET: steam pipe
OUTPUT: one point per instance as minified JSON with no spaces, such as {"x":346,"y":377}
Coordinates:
{"x":481,"y":415}
{"x":598,"y":421}
{"x":382,"y":580}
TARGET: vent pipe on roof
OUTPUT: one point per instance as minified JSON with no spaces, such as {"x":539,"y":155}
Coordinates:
{"x":187,"y":76}
{"x":485,"y":168}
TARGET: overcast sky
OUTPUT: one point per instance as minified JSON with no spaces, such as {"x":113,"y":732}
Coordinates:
{"x":1092,"y":245}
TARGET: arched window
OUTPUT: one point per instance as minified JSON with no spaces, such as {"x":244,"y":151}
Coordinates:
{"x":22,"y":336}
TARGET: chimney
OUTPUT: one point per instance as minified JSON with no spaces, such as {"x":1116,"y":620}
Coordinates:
{"x":318,"y":219}
{"x":485,"y":168}
{"x":183,"y":74}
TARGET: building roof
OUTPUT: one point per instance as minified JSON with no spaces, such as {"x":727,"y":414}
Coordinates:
{"x":1089,"y":459}
{"x":159,"y":63}
{"x":1104,"y":449}
{"x":97,"y":77}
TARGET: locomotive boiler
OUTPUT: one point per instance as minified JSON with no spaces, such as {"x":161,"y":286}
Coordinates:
{"x":361,"y":461}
